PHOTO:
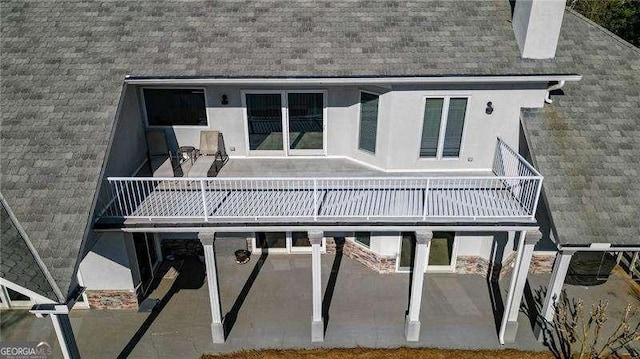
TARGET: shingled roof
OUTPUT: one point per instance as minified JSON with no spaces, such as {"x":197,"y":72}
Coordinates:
{"x":19,"y":263}
{"x":587,"y":143}
{"x":64,"y":62}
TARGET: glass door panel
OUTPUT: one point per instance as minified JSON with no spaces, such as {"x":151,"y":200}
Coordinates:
{"x":306,"y":122}
{"x":271,"y":241}
{"x":407,"y":252}
{"x":264,"y":121}
{"x":441,"y":252}
{"x":300,"y":239}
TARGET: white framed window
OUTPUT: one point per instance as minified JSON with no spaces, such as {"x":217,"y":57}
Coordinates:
{"x":368,"y":130}
{"x":363,"y":238}
{"x":283,"y":242}
{"x":289,"y":122}
{"x":443,"y":126}
{"x":169,"y":107}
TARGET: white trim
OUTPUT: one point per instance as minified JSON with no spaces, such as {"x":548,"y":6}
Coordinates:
{"x":372,"y":166}
{"x":143,"y":107}
{"x":327,"y":228}
{"x":286,"y":152}
{"x":444,"y":120}
{"x":352,"y":80}
{"x":451,"y":268}
{"x":360,"y":92}
{"x":289,"y":248}
{"x":85,"y":300}
{"x":37,"y":298}
{"x":5,"y":302}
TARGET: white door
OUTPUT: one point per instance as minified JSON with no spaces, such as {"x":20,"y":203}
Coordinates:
{"x":285,"y":123}
{"x":442,"y":252}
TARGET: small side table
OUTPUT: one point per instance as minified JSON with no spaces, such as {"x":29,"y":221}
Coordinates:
{"x":188,"y":153}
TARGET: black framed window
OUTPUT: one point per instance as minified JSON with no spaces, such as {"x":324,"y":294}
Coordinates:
{"x":175,"y":107}
{"x":264,"y":115}
{"x":363,"y":238}
{"x":368,"y":121}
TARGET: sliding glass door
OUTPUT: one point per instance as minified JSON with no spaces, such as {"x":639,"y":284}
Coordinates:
{"x":264,"y":120}
{"x":285,"y":122}
{"x":306,"y":122}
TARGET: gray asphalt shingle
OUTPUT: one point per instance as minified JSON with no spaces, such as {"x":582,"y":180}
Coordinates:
{"x":587,"y":143}
{"x":18,"y":263}
{"x":63,"y":65}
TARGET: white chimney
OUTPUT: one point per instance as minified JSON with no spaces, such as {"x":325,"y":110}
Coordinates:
{"x":536,"y":24}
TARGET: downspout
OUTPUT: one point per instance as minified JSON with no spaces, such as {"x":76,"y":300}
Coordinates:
{"x":558,"y":86}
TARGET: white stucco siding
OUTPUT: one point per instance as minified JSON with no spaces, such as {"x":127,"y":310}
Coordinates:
{"x":385,"y":243}
{"x":401,"y":111}
{"x":107,"y":265}
{"x":474,"y":244}
{"x":480,"y":129}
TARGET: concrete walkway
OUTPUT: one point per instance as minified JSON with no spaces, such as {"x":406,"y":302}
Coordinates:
{"x":268,"y":305}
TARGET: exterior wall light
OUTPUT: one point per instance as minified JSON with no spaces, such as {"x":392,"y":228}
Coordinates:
{"x":224,"y":100}
{"x":489,"y":109}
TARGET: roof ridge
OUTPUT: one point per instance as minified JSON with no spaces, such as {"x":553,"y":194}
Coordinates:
{"x":32,"y":249}
{"x":603,"y":29}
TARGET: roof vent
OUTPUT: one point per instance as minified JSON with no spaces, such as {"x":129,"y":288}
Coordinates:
{"x":536,"y":24}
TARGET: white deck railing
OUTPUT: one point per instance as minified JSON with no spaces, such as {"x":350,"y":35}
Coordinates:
{"x":511,"y":194}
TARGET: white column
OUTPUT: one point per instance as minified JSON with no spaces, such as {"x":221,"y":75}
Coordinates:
{"x":412,"y":320}
{"x":509,"y":326}
{"x":560,"y":268}
{"x":64,"y":332}
{"x":217,"y":329}
{"x":317,"y":322}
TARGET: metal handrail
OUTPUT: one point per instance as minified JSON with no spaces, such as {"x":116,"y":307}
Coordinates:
{"x":501,"y":196}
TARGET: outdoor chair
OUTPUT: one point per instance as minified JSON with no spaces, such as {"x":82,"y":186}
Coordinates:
{"x":159,"y":154}
{"x":211,"y":152}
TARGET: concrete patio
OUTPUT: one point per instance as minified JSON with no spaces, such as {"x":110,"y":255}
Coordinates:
{"x":267,"y":304}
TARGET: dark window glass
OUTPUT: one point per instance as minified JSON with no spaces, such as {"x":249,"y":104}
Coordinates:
{"x":305,"y":121}
{"x":441,"y":250}
{"x":363,"y":238}
{"x":267,"y":240}
{"x":300,"y":239}
{"x":13,"y":295}
{"x":431,"y":127}
{"x":455,"y":125}
{"x":175,"y":107}
{"x":264,"y":115}
{"x":368,"y":122}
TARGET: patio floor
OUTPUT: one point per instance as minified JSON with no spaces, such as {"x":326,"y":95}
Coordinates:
{"x":268,"y":304}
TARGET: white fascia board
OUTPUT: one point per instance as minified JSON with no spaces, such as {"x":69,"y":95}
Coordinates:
{"x":352,"y":80}
{"x":600,"y":248}
{"x":328,"y":228}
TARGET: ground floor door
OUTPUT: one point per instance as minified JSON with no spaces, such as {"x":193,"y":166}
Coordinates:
{"x":148,"y":258}
{"x":282,"y":242}
{"x":441,"y":253}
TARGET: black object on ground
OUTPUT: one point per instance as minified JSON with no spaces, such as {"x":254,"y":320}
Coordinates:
{"x":242,"y":256}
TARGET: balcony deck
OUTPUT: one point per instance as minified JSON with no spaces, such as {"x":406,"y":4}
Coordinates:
{"x":331,"y":191}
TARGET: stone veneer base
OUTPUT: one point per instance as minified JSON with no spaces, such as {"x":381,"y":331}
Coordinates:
{"x":370,"y":259}
{"x":540,"y":263}
{"x":112,"y":299}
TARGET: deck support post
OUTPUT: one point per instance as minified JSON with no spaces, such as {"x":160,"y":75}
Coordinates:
{"x":317,"y":322}
{"x":217,"y":329}
{"x":509,"y":326}
{"x":421,"y":259}
{"x":554,"y":289}
{"x":66,"y":339}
